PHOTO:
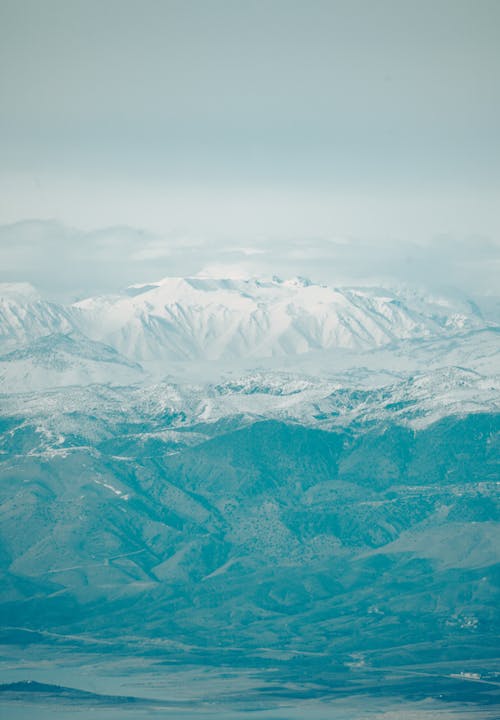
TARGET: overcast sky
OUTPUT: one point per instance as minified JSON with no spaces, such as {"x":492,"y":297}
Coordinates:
{"x":253,"y":124}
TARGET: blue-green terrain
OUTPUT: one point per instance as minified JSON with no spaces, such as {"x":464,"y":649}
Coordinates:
{"x":290,"y":537}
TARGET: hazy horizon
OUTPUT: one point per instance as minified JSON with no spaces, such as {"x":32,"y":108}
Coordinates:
{"x":253,"y":123}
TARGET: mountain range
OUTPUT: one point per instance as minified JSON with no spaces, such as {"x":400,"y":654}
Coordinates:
{"x":258,"y":468}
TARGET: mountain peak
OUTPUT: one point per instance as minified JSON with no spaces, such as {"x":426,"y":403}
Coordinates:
{"x":217,"y":317}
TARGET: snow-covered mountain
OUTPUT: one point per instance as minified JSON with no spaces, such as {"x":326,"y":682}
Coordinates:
{"x":26,"y":316}
{"x":62,"y":360}
{"x":200,"y":319}
{"x":212,"y":319}
{"x":228,"y":332}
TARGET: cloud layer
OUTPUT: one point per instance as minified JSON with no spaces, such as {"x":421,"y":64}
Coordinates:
{"x":66,"y":263}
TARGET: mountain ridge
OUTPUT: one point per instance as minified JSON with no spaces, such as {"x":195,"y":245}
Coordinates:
{"x":197,"y":318}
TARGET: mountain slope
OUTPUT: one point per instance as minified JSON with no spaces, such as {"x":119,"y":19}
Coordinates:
{"x":61,"y":360}
{"x":25,"y":316}
{"x":272,"y":536}
{"x":200,"y":318}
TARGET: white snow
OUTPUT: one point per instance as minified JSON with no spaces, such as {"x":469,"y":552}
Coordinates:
{"x":230,"y":318}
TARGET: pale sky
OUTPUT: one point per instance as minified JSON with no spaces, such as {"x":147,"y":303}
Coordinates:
{"x":252,"y":122}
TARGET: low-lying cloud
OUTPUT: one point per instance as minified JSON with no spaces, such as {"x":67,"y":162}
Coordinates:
{"x":66,"y":263}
